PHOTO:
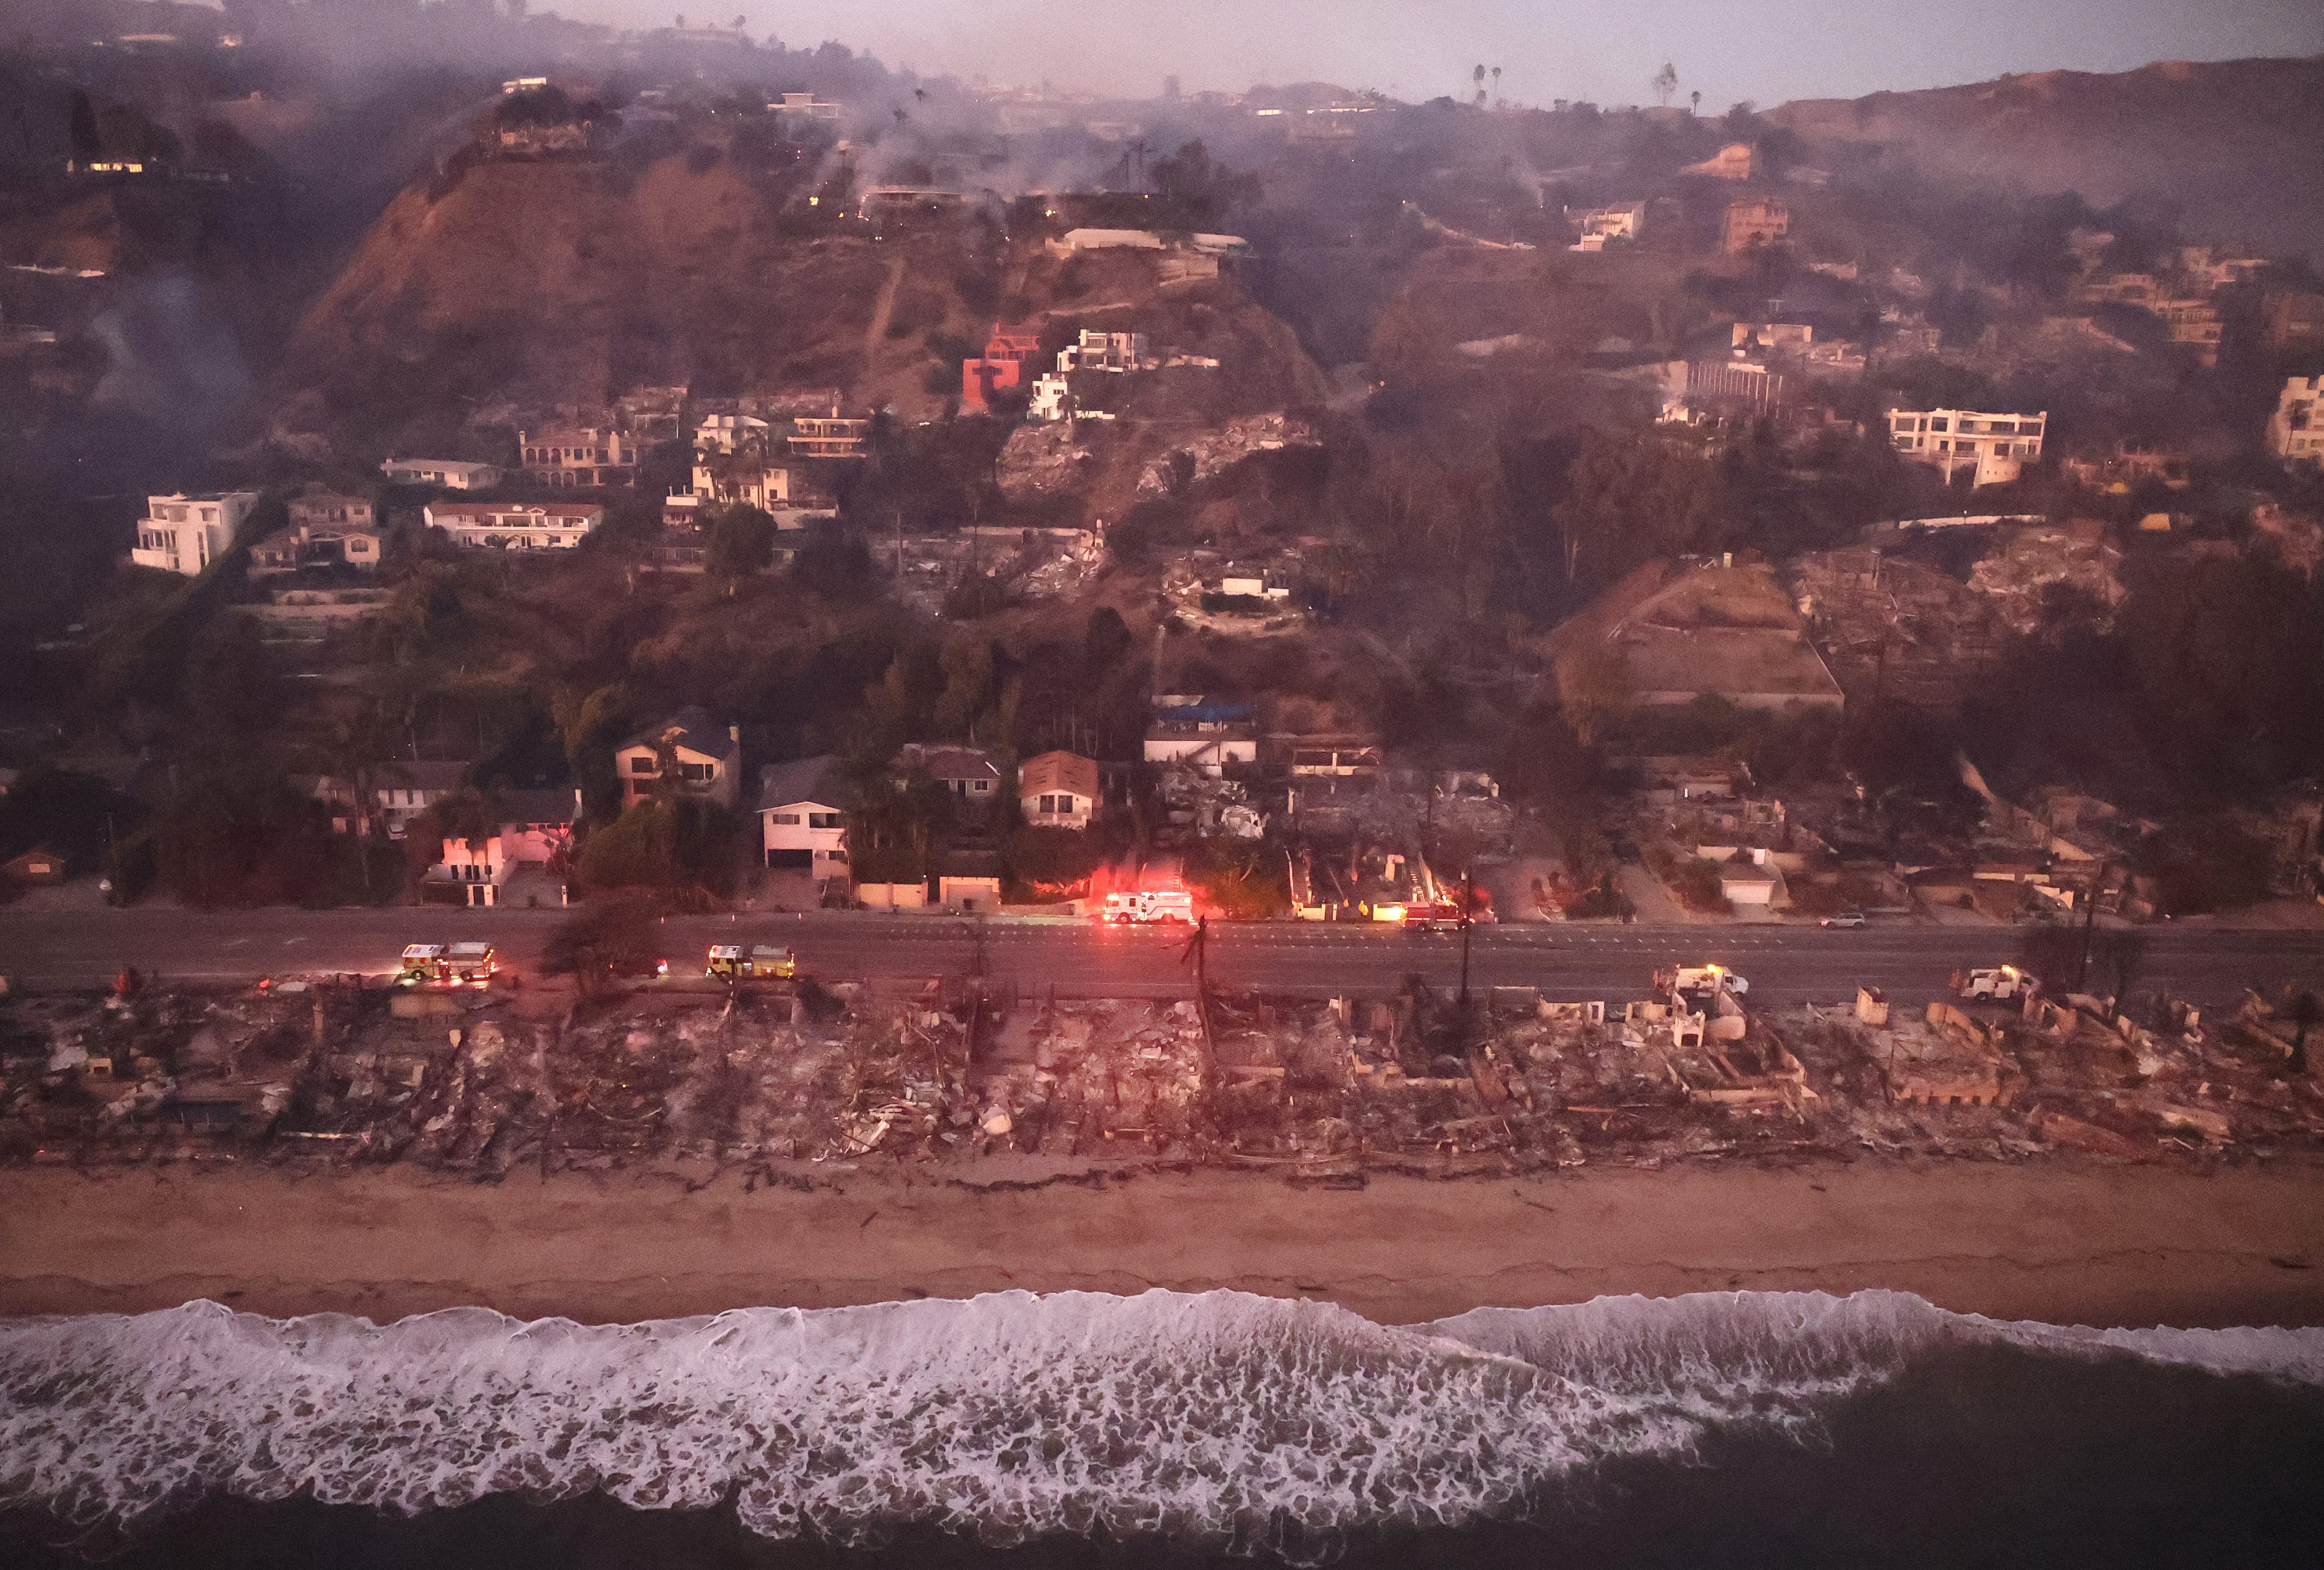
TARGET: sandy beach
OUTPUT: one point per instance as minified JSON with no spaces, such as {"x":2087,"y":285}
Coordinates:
{"x":2091,"y":1245}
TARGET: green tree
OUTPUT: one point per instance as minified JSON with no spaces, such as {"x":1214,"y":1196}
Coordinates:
{"x":1243,"y":879}
{"x":1106,"y":641}
{"x":680,"y":842}
{"x":1593,"y":686}
{"x":621,"y":936}
{"x":1052,"y":859}
{"x":67,"y":812}
{"x":234,"y":832}
{"x":742,"y":543}
{"x":970,"y":687}
{"x":1630,"y":499}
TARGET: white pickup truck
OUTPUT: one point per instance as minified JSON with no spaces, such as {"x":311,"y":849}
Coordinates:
{"x":2001,"y":982}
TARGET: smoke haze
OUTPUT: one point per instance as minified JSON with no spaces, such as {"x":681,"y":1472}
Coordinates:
{"x":1765,"y":51}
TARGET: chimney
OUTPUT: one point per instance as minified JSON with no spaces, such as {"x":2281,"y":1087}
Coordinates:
{"x":734,"y":734}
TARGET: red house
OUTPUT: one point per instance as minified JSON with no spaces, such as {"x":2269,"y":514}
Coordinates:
{"x":1006,"y":355}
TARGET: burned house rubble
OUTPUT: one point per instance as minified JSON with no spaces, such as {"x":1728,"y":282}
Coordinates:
{"x":788,"y":1078}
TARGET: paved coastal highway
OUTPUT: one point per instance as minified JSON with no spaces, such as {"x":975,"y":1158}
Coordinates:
{"x":1786,"y":964}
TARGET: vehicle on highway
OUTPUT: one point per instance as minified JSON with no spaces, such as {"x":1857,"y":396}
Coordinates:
{"x":2001,"y":982}
{"x":1444,"y":916}
{"x":423,"y":965}
{"x":1701,"y":981}
{"x":1845,"y":918}
{"x":735,"y":962}
{"x":1124,"y":907}
{"x":470,"y":963}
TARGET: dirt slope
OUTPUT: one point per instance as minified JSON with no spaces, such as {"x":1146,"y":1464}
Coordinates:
{"x":2234,"y":141}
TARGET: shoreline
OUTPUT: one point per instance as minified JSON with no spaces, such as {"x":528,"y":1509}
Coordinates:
{"x":2082,"y":1244}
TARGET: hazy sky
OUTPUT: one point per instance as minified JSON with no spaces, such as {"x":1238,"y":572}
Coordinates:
{"x":1766,"y":51}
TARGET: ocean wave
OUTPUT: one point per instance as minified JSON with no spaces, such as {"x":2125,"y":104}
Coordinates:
{"x":1221,"y":1419}
{"x":1709,"y":1351}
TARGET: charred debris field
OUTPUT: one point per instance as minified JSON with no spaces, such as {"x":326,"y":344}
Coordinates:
{"x":789,"y":1081}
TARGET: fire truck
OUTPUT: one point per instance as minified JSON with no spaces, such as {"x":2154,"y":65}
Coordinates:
{"x":735,"y":962}
{"x":470,"y":963}
{"x":1146,"y":905}
{"x":1444,"y":915}
{"x":438,"y":965}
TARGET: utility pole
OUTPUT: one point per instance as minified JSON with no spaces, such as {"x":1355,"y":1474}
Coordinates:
{"x":2090,"y":931}
{"x":1198,"y":949}
{"x":1468,"y":907}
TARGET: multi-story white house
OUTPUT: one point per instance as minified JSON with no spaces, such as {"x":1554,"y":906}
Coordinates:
{"x":515,"y":525}
{"x":2295,"y":432}
{"x":401,"y":792}
{"x":834,"y":436}
{"x":535,"y":830}
{"x":725,"y":432}
{"x":1096,"y":351}
{"x":803,"y":817}
{"x":1204,"y":734}
{"x":449,"y":472}
{"x":704,"y":758}
{"x":742,"y":477}
{"x":187,"y":534}
{"x":1994,"y":449}
{"x":585,"y":456}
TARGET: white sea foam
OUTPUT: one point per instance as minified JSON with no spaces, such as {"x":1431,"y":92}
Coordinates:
{"x":1709,"y":1351}
{"x":1220,"y":1416}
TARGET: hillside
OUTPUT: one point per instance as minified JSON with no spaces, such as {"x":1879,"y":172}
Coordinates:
{"x":2232,"y":146}
{"x":555,"y":282}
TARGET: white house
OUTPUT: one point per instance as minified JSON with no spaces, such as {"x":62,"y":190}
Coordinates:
{"x":2295,"y":432}
{"x":803,"y":817}
{"x":704,"y":757}
{"x":763,"y":485}
{"x":804,"y":106}
{"x":449,"y":472}
{"x":1109,"y":240}
{"x":1049,"y":394}
{"x":1993,"y":448}
{"x":1058,"y":791}
{"x":1204,"y":732}
{"x":187,"y":534}
{"x":724,"y":432}
{"x":515,"y":525}
{"x":1096,"y":351}
{"x":401,"y":792}
{"x":536,"y":826}
{"x":314,"y":544}
{"x":1622,"y":222}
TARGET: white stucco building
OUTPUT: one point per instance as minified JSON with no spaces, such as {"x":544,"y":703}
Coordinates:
{"x":187,"y":534}
{"x":1994,"y":449}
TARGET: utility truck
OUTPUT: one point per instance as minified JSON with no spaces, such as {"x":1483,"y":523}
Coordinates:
{"x":1701,"y":981}
{"x":2001,"y":982}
